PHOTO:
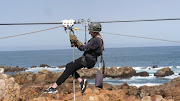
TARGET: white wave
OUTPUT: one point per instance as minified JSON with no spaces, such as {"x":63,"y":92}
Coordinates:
{"x":151,"y":70}
{"x":91,"y":83}
{"x":35,"y":70}
{"x":138,"y":68}
{"x":132,"y":84}
{"x":144,"y":84}
{"x":177,"y":66}
{"x":170,"y":66}
{"x":172,"y":76}
{"x":140,"y":77}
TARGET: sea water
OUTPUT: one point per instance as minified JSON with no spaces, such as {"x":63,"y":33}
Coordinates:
{"x":140,"y":58}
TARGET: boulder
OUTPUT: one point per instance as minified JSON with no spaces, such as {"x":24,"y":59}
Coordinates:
{"x":107,"y":86}
{"x":155,"y":66}
{"x":31,"y":91}
{"x":56,"y":76}
{"x":61,"y":66}
{"x":44,"y":75}
{"x":88,"y":73}
{"x":33,"y":66}
{"x":43,"y":99}
{"x":44,"y":65}
{"x":146,"y":98}
{"x":175,"y":93}
{"x":13,"y":69}
{"x":25,"y":78}
{"x":123,"y":72}
{"x":164,"y":72}
{"x":6,"y":68}
{"x":9,"y":90}
{"x":143,"y":74}
{"x":103,"y":95}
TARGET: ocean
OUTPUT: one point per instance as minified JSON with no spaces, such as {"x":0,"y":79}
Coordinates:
{"x":140,"y":58}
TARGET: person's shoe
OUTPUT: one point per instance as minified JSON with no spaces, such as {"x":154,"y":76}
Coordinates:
{"x":51,"y":90}
{"x":83,"y":85}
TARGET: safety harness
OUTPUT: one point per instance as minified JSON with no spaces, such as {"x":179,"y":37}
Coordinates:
{"x":102,"y":60}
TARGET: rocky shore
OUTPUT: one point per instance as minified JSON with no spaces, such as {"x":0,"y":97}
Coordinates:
{"x":29,"y":87}
{"x":12,"y":69}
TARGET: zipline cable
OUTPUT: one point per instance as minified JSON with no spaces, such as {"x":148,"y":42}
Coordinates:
{"x":142,"y":37}
{"x":141,"y":20}
{"x":168,"y":19}
{"x":101,"y":32}
{"x":30,"y":32}
{"x":136,"y":36}
{"x":29,"y":23}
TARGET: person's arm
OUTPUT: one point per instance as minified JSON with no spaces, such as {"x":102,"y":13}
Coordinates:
{"x":92,"y":45}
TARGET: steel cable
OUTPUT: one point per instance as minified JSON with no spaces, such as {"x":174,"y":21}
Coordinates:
{"x":168,"y":19}
{"x":142,"y":37}
{"x":137,"y":36}
{"x":30,"y":32}
{"x":141,"y":20}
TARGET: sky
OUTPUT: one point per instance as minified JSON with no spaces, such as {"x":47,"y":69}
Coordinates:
{"x":42,"y":11}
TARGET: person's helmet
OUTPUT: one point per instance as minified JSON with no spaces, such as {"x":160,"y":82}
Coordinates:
{"x":95,"y":27}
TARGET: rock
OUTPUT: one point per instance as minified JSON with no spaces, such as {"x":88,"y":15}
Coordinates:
{"x":62,"y":66}
{"x":164,"y":72}
{"x":9,"y":90}
{"x":56,"y":76}
{"x":104,"y":95}
{"x":132,"y":98}
{"x":144,"y":91}
{"x":175,"y":93}
{"x":42,"y":99}
{"x":44,"y":79}
{"x":13,"y":69}
{"x":88,"y":73}
{"x":33,"y":66}
{"x":107,"y":86}
{"x":124,"y":87}
{"x":146,"y":98}
{"x":133,"y":90}
{"x":25,"y":78}
{"x":44,"y":65}
{"x":123,"y":92}
{"x":179,"y":73}
{"x":167,"y":94}
{"x":123,"y":72}
{"x":155,"y":66}
{"x":44,"y":75}
{"x":144,"y":74}
{"x":6,"y":68}
{"x":31,"y":91}
{"x":157,"y":98}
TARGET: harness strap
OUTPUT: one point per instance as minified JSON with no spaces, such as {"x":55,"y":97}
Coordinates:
{"x":103,"y":67}
{"x":102,"y":60}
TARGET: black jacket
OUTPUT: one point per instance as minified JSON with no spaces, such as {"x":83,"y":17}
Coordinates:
{"x":93,"y":48}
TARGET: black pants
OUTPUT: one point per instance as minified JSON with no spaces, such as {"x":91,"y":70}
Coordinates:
{"x":70,"y":69}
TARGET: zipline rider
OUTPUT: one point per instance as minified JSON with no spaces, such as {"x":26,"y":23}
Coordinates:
{"x":92,"y":50}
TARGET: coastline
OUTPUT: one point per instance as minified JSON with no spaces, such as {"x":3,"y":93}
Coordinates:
{"x":31,"y":86}
{"x":133,"y":78}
